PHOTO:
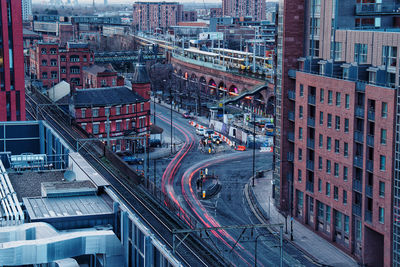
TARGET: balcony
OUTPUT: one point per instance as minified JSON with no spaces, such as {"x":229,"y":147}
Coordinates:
{"x":310,"y":165}
{"x":368,"y":191}
{"x":370,"y":140}
{"x":360,"y":87}
{"x":290,"y":156}
{"x":368,"y":216}
{"x":311,"y":122}
{"x":310,"y":186}
{"x":292,"y":95}
{"x":311,"y":99}
{"x":377,"y":8}
{"x":310,"y":143}
{"x":291,"y":116}
{"x":359,"y":137}
{"x":358,"y":161}
{"x":360,"y":112}
{"x":357,"y":210}
{"x":357,"y":185}
{"x":292,"y":74}
{"x":370,"y":165}
{"x":371,"y":115}
{"x":290,"y":136}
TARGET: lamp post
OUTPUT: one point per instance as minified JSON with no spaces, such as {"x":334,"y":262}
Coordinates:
{"x":170,"y":94}
{"x":254,"y":144}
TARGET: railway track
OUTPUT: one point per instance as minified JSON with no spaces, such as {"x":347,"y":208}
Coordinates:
{"x":192,"y":252}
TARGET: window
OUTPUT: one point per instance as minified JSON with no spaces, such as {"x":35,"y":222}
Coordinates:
{"x":319,"y":185}
{"x":141,"y":106}
{"x":382,"y":163}
{"x":321,"y":118}
{"x":345,"y":173}
{"x":114,"y":82}
{"x":347,"y":101}
{"x":54,"y":74}
{"x":127,"y":109}
{"x":95,"y":112}
{"x":53,"y":51}
{"x":338,"y":96}
{"x":383,"y":136}
{"x":337,"y":51}
{"x":372,"y":77}
{"x":337,"y":146}
{"x":330,"y":97}
{"x":300,"y":133}
{"x":329,"y":124}
{"x":345,"y":149}
{"x":133,"y":108}
{"x":75,"y":70}
{"x":320,"y":163}
{"x":328,"y":189}
{"x":118,"y":126}
{"x":338,"y":219}
{"x":360,"y":53}
{"x":358,"y":230}
{"x":83,"y":113}
{"x":103,"y":83}
{"x":384,"y":110}
{"x":381,"y":215}
{"x":320,"y":210}
{"x":337,"y":123}
{"x":44,"y":62}
{"x":328,"y":143}
{"x":126,"y":124}
{"x":389,"y":56}
{"x":74,"y":58}
{"x":106,"y":111}
{"x":328,"y":166}
{"x":336,"y":169}
{"x":53,"y":62}
{"x":95,"y":128}
{"x":299,"y":175}
{"x":83,"y":126}
{"x":63,"y":59}
{"x":300,"y":156}
{"x":43,"y":51}
{"x":346,"y":224}
{"x":301,"y":90}
{"x":328,"y":214}
{"x":346,"y":125}
{"x":346,"y":72}
{"x":335,"y":193}
{"x":321,"y":140}
{"x":300,"y":112}
{"x":344,"y":197}
{"x":63,"y":70}
{"x":44,"y":75}
{"x":382,"y":189}
{"x":117,"y":110}
{"x":321,"y":95}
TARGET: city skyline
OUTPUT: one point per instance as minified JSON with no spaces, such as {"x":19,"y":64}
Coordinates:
{"x":131,"y":2}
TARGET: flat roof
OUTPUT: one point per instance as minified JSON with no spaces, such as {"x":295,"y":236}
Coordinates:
{"x":61,"y":207}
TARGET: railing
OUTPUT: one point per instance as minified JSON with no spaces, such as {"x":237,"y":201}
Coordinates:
{"x":292,"y":95}
{"x":360,"y":112}
{"x":368,"y":191}
{"x":311,"y":99}
{"x":310,"y":186}
{"x":357,"y":185}
{"x":358,"y":161}
{"x":311,"y":122}
{"x":371,"y":115}
{"x":291,"y":115}
{"x":359,"y":137}
{"x":310,"y":165}
{"x":290,"y":156}
{"x":371,"y":8}
{"x":360,"y":87}
{"x":357,"y":210}
{"x":370,"y":140}
{"x":310,"y":143}
{"x":370,"y":165}
{"x":290,"y":136}
{"x":368,"y":216}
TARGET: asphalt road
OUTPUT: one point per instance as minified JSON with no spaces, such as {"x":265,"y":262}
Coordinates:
{"x":177,"y":175}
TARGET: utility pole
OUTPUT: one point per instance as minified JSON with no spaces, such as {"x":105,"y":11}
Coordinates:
{"x":254,"y":145}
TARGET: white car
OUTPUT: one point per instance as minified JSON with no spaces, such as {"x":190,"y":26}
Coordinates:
{"x":208,"y":133}
{"x":200,"y":131}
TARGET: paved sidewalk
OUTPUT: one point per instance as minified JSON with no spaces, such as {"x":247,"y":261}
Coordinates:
{"x":315,"y":247}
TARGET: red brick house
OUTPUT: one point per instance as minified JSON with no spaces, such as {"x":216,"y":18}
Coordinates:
{"x":96,"y":76}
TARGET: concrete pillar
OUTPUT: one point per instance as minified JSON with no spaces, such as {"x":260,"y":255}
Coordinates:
{"x":148,"y":251}
{"x":49,"y":148}
{"x":42,"y":138}
{"x":58,"y":152}
{"x":124,"y":235}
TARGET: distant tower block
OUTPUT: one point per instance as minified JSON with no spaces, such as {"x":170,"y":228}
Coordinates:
{"x":105,"y":2}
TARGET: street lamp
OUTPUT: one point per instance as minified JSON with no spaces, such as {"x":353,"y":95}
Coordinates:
{"x":254,"y":144}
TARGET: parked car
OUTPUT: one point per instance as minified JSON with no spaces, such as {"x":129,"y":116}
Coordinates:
{"x":155,"y":143}
{"x":187,"y":115}
{"x":200,"y":131}
{"x":132,"y":160}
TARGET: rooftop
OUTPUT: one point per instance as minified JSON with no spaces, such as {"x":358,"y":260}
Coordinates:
{"x":95,"y":69}
{"x":106,"y":96}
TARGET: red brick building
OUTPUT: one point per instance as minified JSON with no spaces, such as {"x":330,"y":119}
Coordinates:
{"x":96,"y":76}
{"x":244,"y":8}
{"x":51,"y":63}
{"x":12,"y":85}
{"x":126,"y":113}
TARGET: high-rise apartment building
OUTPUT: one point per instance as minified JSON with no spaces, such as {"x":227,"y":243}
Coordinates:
{"x":151,"y":16}
{"x":244,"y":8}
{"x":12,"y":85}
{"x":26,"y":10}
{"x":337,"y":165}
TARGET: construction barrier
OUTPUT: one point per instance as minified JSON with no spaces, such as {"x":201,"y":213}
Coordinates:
{"x":223,"y":138}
